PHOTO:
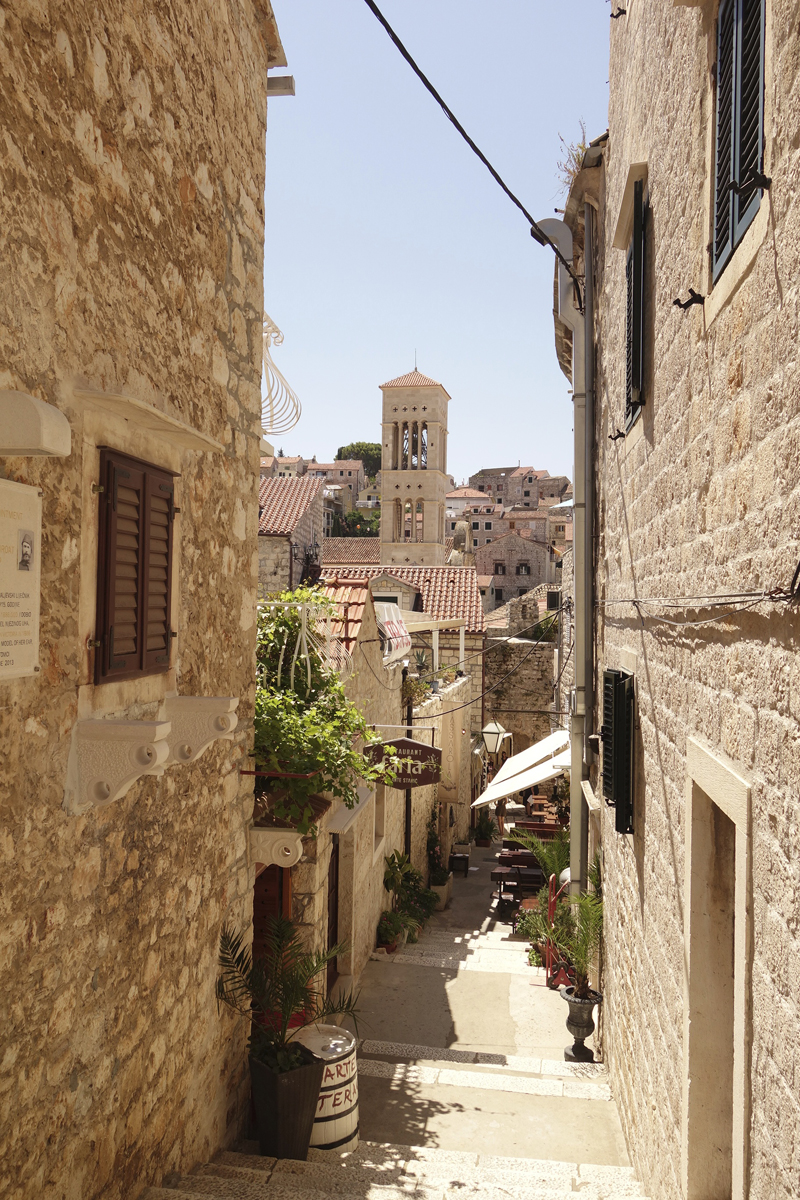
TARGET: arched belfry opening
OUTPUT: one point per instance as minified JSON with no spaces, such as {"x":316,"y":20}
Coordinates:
{"x":414,"y":479}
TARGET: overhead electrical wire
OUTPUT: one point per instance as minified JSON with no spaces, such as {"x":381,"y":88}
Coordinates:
{"x":537,"y":233}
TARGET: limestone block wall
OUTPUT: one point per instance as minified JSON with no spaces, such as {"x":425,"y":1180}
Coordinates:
{"x":275,"y":566}
{"x":523,"y":701}
{"x":701,"y":498}
{"x":512,"y":551}
{"x":131,"y":186}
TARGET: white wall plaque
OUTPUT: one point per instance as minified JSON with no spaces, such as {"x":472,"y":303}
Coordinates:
{"x":20,"y":575}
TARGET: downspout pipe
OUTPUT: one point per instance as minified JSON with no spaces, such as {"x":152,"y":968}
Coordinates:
{"x":560,"y":233}
{"x":589,"y":515}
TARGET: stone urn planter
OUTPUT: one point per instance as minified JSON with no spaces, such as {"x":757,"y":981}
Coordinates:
{"x":444,"y":891}
{"x":580,"y":1023}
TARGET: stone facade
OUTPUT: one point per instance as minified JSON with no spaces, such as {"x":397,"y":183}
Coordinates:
{"x":281,"y":557}
{"x":132,"y":265}
{"x":699,"y":499}
{"x":517,"y":563}
{"x":522,"y":703}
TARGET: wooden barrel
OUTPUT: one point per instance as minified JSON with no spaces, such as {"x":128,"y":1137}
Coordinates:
{"x":336,"y":1119}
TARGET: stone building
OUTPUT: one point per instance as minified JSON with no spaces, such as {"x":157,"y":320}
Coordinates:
{"x":348,"y":474}
{"x":289,"y":467}
{"x":414,"y":478}
{"x":291,"y":523}
{"x":131,"y":311}
{"x":518,"y":564}
{"x":692,"y":334}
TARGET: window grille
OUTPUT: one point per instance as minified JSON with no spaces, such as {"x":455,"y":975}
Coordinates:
{"x":739,"y":133}
{"x":134,"y":571}
{"x":617,"y":736}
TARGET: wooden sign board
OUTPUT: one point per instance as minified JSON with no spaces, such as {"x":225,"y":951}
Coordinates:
{"x":20,"y":575}
{"x":419,"y":765}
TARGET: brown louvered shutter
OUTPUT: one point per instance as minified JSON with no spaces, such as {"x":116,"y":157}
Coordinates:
{"x":134,"y":568}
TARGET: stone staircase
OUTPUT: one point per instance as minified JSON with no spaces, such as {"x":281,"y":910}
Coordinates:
{"x":385,"y":1172}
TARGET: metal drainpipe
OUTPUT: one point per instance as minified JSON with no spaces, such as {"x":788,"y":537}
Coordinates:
{"x":576,"y":321}
{"x":588,"y":546}
{"x":409,"y":731}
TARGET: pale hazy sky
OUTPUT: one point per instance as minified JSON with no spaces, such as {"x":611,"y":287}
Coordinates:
{"x":385,"y":234}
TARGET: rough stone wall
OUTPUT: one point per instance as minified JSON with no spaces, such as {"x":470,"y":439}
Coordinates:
{"x":522,"y":702}
{"x":449,"y":656}
{"x":701,"y":498}
{"x":512,"y":551}
{"x":132,"y":178}
{"x":276,"y":571}
{"x":565,"y":657}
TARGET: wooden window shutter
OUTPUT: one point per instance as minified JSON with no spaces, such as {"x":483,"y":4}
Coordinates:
{"x":739,"y":132}
{"x":723,"y":206}
{"x":617,"y":734}
{"x":634,"y":277}
{"x":134,"y":568}
{"x":749,"y":128}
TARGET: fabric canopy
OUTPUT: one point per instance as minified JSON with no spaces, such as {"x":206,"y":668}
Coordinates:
{"x":533,"y":755}
{"x":539,"y":773}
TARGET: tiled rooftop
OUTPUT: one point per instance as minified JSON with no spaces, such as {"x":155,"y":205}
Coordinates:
{"x":351,"y":550}
{"x":446,"y":591}
{"x":283,"y":502}
{"x":412,"y":379}
{"x":350,"y":595}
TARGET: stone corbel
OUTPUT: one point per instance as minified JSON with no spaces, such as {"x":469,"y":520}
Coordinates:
{"x":275,"y":847}
{"x":107,"y":758}
{"x":196,"y":722}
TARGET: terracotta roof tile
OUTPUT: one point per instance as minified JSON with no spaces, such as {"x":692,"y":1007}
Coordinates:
{"x":345,"y":464}
{"x":283,"y":502}
{"x":351,"y":550}
{"x":446,"y":591}
{"x":412,"y":379}
{"x":469,"y":493}
{"x":350,"y":596}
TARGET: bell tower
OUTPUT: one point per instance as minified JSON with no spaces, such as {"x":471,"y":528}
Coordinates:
{"x":414,"y":479}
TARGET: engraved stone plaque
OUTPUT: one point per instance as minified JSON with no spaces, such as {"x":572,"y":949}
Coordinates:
{"x":20,"y":574}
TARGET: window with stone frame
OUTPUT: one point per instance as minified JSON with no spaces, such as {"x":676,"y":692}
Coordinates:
{"x":487,"y":524}
{"x":739,"y":126}
{"x":523,"y":568}
{"x":499,"y":568}
{"x":134,"y":569}
{"x":634,"y":310}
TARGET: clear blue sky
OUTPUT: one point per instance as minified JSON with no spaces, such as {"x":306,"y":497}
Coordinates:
{"x":385,"y":233}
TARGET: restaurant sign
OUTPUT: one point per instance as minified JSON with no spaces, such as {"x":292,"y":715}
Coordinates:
{"x":418,"y":765}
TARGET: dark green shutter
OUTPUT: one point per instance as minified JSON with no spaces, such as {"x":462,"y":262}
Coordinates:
{"x":634,"y":277}
{"x":618,"y":741}
{"x":739,"y":130}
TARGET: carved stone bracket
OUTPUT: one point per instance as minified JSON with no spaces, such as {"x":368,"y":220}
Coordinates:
{"x":196,"y":722}
{"x":107,"y":757}
{"x":275,"y":847}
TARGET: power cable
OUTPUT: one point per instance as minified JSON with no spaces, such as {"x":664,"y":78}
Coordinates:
{"x":537,"y":233}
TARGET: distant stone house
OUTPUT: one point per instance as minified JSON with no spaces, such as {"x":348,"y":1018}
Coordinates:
{"x":290,"y":533}
{"x":486,"y":585}
{"x":518,"y":564}
{"x":347,"y":474}
{"x":291,"y":467}
{"x":132,"y":267}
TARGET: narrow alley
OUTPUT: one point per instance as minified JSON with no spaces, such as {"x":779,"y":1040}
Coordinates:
{"x":462,"y":1081}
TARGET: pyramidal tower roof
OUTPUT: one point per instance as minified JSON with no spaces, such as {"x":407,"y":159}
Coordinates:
{"x":413,"y":379}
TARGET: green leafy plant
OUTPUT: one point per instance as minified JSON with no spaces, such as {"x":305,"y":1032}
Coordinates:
{"x":595,"y":873}
{"x":439,"y":876}
{"x":415,"y":899}
{"x":421,"y":660}
{"x":485,"y":826}
{"x":390,"y":927}
{"x":368,"y":452}
{"x":415,"y":691}
{"x":307,"y":734}
{"x":279,"y":992}
{"x":571,"y":161}
{"x":438,"y":873}
{"x":398,"y":868}
{"x":552,"y":856}
{"x":582,"y":943}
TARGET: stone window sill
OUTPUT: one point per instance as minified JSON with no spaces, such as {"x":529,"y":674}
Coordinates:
{"x":739,"y":267}
{"x":146,"y":417}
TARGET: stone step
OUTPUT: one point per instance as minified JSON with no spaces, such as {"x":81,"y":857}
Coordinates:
{"x":511,"y":1062}
{"x":449,"y":1076}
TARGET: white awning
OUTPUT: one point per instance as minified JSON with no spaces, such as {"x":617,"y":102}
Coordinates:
{"x":396,"y":638}
{"x":533,"y":755}
{"x":539,"y":773}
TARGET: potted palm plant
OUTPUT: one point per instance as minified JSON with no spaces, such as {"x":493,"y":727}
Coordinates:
{"x":580,"y":942}
{"x":280,"y":994}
